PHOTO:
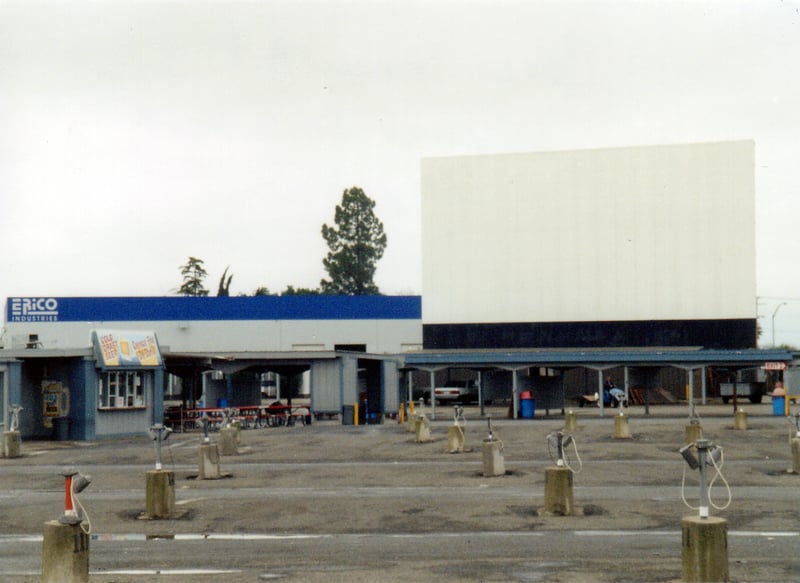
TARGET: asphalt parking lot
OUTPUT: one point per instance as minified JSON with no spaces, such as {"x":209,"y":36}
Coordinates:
{"x":327,"y":502}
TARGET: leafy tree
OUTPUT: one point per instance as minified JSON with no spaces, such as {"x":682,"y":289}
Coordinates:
{"x":356,"y":245}
{"x":193,"y":275}
{"x":300,"y":291}
{"x":262,"y":291}
{"x":224,"y":289}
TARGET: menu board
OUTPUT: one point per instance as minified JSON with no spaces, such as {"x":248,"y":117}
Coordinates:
{"x":127,"y":348}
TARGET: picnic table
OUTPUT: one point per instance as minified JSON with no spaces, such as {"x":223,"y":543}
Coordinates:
{"x":249,"y":416}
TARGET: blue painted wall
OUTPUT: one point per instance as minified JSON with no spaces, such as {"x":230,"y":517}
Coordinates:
{"x":149,"y":309}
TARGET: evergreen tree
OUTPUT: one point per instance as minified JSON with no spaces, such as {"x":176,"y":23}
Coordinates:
{"x":356,"y":244}
{"x":193,"y":275}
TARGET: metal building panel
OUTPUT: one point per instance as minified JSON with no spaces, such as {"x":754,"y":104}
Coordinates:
{"x":349,"y":380}
{"x":391,"y":386}
{"x":326,"y":386}
{"x":380,"y":336}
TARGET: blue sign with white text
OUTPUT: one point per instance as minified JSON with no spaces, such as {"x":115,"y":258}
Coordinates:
{"x":153,"y":309}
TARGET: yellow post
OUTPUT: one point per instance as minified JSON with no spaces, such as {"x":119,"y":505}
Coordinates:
{"x":411,"y":407}
{"x":621,"y":429}
{"x":402,"y":413}
{"x":694,"y":431}
{"x":355,"y":413}
{"x":740,"y":420}
{"x":570,"y":421}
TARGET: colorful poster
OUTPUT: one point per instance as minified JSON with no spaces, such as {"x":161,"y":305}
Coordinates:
{"x":127,"y":348}
{"x":55,"y":401}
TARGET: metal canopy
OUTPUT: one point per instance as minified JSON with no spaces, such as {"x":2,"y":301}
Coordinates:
{"x":597,"y":359}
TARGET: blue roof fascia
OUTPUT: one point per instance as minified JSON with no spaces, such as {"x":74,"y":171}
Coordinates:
{"x":155,"y":309}
{"x":752,"y":357}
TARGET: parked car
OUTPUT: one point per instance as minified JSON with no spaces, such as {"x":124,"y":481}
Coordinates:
{"x":456,"y":392}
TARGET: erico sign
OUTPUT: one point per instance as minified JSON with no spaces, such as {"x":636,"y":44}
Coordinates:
{"x":33,"y":310}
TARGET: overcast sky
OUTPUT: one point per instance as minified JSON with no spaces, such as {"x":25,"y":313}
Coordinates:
{"x":134,"y":134}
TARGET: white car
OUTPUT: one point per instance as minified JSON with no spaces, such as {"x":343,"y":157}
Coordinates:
{"x":456,"y":391}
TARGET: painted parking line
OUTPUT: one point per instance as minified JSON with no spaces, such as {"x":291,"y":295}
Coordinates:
{"x":626,"y":532}
{"x":22,"y":538}
{"x":37,"y":538}
{"x":152,"y":572}
{"x":753,"y":533}
{"x":741,"y":533}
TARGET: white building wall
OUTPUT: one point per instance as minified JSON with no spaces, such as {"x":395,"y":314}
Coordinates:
{"x":380,"y":336}
{"x":643,"y":233}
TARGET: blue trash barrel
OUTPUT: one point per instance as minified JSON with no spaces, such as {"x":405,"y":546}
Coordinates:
{"x":222,"y":403}
{"x":61,"y":428}
{"x":527,"y":405}
{"x":778,"y":406}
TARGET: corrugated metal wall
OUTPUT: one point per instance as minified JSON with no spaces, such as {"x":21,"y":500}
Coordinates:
{"x":349,"y":379}
{"x":110,"y":423}
{"x":391,"y":387}
{"x":325,"y":390}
